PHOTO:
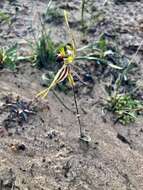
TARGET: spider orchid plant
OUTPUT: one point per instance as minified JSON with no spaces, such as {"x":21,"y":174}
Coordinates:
{"x":66,"y":55}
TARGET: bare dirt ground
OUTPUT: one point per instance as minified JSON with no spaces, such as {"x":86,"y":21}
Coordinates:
{"x":54,"y":159}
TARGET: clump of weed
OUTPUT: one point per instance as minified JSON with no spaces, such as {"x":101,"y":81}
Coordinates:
{"x":102,"y":53}
{"x":4,"y":17}
{"x":44,"y":52}
{"x":125,"y":107}
{"x":124,"y":100}
{"x":8,"y":57}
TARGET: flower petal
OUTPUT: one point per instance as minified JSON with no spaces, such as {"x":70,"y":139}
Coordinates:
{"x":60,"y":76}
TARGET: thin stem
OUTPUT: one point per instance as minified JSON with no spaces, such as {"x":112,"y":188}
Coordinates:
{"x":77,"y":112}
{"x":61,"y":101}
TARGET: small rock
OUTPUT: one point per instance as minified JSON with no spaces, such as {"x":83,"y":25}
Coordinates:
{"x":17,"y":147}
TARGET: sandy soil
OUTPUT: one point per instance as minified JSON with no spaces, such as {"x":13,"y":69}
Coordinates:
{"x":54,"y":159}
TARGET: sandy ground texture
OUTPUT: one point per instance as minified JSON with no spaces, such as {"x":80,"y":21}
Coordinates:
{"x":53,"y":158}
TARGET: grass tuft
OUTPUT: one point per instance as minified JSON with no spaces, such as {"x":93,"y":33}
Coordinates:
{"x":125,"y":107}
{"x":8,"y":57}
{"x":4,"y":17}
{"x":44,"y":52}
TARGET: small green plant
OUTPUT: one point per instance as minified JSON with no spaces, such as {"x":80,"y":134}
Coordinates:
{"x":44,"y":52}
{"x":101,"y":53}
{"x":124,"y":100}
{"x":4,"y":17}
{"x":125,"y":107}
{"x":8,"y":57}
